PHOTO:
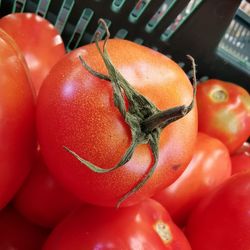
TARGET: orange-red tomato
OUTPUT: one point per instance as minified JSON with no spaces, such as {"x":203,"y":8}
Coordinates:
{"x":209,"y":167}
{"x":145,"y":226}
{"x":17,"y":120}
{"x":224,"y":112}
{"x":41,"y":199}
{"x":39,"y":41}
{"x":77,"y":110}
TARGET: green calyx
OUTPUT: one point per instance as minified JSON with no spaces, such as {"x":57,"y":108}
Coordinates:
{"x":145,"y":120}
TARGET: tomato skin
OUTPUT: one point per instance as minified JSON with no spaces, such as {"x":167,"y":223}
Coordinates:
{"x":241,"y":159}
{"x":209,"y":167}
{"x":225,"y":116}
{"x":18,"y":234}
{"x":39,"y":41}
{"x":125,"y":228}
{"x":17,"y":127}
{"x":222,"y":220}
{"x":78,"y":111}
{"x":41,"y":199}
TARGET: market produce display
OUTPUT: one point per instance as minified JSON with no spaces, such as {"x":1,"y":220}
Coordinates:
{"x":117,"y":148}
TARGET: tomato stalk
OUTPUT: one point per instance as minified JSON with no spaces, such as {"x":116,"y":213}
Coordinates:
{"x":145,"y":120}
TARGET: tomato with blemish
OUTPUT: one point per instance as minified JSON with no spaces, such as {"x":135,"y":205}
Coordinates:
{"x":76,"y":110}
{"x":145,"y":226}
{"x":224,"y":112}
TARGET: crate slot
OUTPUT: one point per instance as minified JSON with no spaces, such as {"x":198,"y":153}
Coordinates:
{"x":159,"y":14}
{"x":64,"y":14}
{"x":42,"y":7}
{"x":137,"y":11}
{"x":80,"y":28}
{"x":180,"y":19}
{"x":138,"y":40}
{"x":18,"y":5}
{"x":117,"y":5}
{"x":121,"y":33}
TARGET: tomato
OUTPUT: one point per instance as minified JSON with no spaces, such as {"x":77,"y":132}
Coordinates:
{"x":39,"y":41}
{"x":241,"y":159}
{"x":222,"y":219}
{"x":17,"y":117}
{"x":41,"y":199}
{"x":76,"y":110}
{"x":145,"y":226}
{"x":224,"y":112}
{"x":18,"y":234}
{"x":209,"y":167}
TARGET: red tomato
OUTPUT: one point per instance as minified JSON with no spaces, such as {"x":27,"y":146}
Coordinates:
{"x":18,"y":234}
{"x":17,"y":128}
{"x":222,"y":219}
{"x":39,"y":41}
{"x":41,"y":199}
{"x":77,"y":110}
{"x":145,"y":226}
{"x":224,"y":112}
{"x":241,"y":159}
{"x":209,"y":167}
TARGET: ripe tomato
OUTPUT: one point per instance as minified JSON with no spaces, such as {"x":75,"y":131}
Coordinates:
{"x":39,"y":41}
{"x":144,"y":226}
{"x":17,"y":128}
{"x":209,"y":167}
{"x":18,"y":234}
{"x":224,"y":112}
{"x":222,"y":219}
{"x":41,"y":199}
{"x":241,"y":159}
{"x":77,"y":110}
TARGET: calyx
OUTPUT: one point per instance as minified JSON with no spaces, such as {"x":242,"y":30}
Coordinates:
{"x":145,"y":120}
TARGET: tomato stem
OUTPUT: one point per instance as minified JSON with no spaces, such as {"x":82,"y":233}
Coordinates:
{"x":145,"y":120}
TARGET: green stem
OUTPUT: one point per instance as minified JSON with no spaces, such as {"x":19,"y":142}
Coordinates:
{"x":145,"y":120}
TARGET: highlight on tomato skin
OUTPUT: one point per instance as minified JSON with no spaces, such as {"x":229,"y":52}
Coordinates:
{"x":145,"y":226}
{"x":41,"y":199}
{"x":39,"y":41}
{"x":17,"y":119}
{"x":210,"y":166}
{"x":224,"y":112}
{"x":78,"y":111}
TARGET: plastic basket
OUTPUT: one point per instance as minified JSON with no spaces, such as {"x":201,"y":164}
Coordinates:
{"x":216,"y":33}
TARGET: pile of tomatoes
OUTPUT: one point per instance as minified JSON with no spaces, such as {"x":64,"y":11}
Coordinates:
{"x":110,"y":146}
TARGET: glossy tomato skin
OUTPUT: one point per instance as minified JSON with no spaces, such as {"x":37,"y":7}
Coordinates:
{"x":41,"y":199}
{"x":78,"y":111}
{"x":39,"y":41}
{"x":18,"y":234}
{"x":241,"y":159}
{"x":210,"y":166}
{"x":222,"y":220}
{"x":17,"y":127}
{"x":224,"y":112}
{"x":145,"y":226}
